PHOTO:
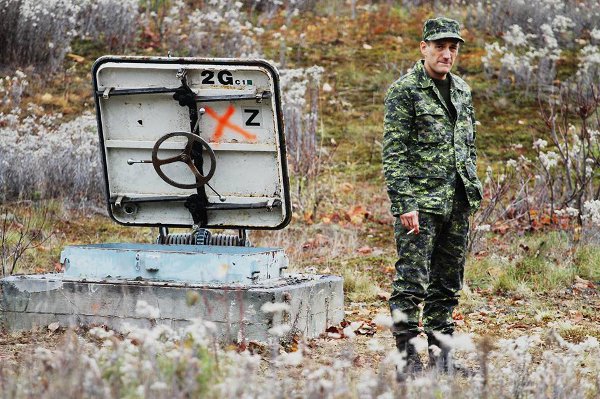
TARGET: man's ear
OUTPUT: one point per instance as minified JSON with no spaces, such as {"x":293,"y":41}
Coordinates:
{"x":423,"y":47}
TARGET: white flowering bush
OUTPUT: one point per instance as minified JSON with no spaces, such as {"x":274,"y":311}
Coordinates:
{"x":160,"y":362}
{"x":300,"y":108}
{"x":300,"y":90}
{"x":564,"y":370}
{"x":146,"y":363}
{"x":556,"y":187}
{"x":40,"y":33}
{"x":591,"y":212}
{"x":12,"y":89}
{"x":569,"y":170}
{"x":498,"y":16}
{"x":113,"y":22}
{"x":43,"y":159}
{"x":535,"y":37}
{"x":218,"y":28}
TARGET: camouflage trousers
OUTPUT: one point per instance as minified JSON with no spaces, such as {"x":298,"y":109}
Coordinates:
{"x":430,"y":269}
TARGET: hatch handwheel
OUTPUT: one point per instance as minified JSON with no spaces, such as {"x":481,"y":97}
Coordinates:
{"x":186,"y":157}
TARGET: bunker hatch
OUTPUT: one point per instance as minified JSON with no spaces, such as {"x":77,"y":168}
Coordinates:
{"x":192,"y":142}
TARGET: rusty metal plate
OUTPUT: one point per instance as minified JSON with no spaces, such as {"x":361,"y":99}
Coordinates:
{"x":243,"y":171}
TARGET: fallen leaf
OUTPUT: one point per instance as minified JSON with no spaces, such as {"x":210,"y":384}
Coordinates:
{"x":47,"y":98}
{"x":357,"y":214}
{"x":317,"y":241}
{"x":365,"y":250}
{"x":389,"y":269}
{"x":385,"y":296}
{"x":346,"y":187}
{"x":500,"y":228}
{"x":456,"y":315}
{"x":367,"y":328}
{"x":334,"y":330}
{"x":76,"y":58}
{"x":308,"y":217}
{"x":575,"y":316}
{"x":53,"y":326}
{"x":519,"y":326}
{"x":358,"y":361}
{"x":584,"y":283}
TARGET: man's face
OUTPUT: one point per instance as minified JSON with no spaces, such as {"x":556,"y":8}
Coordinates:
{"x":439,"y":56}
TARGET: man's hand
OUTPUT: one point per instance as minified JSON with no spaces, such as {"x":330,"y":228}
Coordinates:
{"x":410,"y":221}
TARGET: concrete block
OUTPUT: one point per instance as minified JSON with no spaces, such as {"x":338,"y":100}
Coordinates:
{"x":315,"y":302}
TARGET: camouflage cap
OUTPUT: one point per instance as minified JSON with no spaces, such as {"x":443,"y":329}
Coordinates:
{"x":441,"y":28}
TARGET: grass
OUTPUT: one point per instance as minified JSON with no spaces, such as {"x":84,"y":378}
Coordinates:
{"x":534,"y":263}
{"x":577,"y":334}
{"x":587,"y":259}
{"x":359,"y":286}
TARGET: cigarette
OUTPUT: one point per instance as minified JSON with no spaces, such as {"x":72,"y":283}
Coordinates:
{"x":410,"y":232}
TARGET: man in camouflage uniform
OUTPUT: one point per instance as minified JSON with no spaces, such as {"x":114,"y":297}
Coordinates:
{"x":429,"y":162}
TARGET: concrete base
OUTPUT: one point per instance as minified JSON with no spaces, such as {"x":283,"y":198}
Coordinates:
{"x":316,"y":302}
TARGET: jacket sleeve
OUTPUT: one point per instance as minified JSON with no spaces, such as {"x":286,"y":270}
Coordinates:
{"x":397,"y":124}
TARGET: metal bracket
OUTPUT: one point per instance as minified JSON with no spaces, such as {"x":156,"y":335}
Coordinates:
{"x":254,"y":276}
{"x":106,"y":92}
{"x":181,"y":74}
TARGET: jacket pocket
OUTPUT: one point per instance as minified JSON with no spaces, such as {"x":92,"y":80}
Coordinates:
{"x":430,"y":123}
{"x":425,"y":182}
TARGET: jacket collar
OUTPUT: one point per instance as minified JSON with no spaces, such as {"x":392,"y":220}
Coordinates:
{"x":424,"y":80}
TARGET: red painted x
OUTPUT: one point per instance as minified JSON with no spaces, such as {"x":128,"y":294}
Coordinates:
{"x":223,"y":122}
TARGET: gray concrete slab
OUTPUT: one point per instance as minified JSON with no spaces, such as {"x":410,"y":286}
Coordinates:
{"x":315,"y":302}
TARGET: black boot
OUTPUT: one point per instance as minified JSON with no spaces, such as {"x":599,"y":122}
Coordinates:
{"x":439,"y":358}
{"x":413,"y":361}
{"x":442,"y":360}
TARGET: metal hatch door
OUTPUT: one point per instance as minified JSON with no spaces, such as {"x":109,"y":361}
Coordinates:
{"x":173,"y":130}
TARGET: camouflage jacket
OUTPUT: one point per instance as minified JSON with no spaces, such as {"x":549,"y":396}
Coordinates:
{"x":424,"y":151}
